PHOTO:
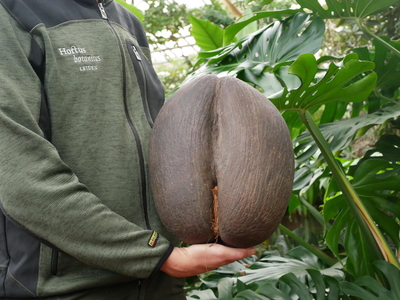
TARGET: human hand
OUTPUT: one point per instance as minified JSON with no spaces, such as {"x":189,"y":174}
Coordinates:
{"x":198,"y":259}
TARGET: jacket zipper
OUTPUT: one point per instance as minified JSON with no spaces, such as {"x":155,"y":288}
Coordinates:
{"x":131,"y":125}
{"x":145,"y":102}
{"x":139,"y":289}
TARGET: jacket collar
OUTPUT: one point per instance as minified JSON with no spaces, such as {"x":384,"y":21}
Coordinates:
{"x":94,"y":2}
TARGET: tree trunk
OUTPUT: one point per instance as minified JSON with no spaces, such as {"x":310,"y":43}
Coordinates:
{"x":233,"y":10}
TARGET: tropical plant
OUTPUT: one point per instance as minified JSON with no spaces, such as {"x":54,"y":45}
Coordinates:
{"x":328,"y":103}
{"x":303,"y":278}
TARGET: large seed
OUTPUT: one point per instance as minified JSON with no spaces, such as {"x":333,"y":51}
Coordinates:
{"x":221,"y":163}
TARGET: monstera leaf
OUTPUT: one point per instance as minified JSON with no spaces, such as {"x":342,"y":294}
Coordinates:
{"x":341,"y":133}
{"x":334,"y":86}
{"x":346,"y":8}
{"x":272,"y":277}
{"x":388,"y":149}
{"x":317,"y":286}
{"x":387,"y":66}
{"x":256,"y":57}
{"x":369,"y":288}
{"x":297,"y":262}
{"x":354,"y":9}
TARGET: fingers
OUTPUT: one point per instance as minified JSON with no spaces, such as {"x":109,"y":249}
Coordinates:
{"x":198,"y":259}
{"x":233,"y":254}
{"x":218,"y":255}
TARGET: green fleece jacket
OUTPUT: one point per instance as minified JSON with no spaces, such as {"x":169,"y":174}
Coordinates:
{"x":78,"y":98}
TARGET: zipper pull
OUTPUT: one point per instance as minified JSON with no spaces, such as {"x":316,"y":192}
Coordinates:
{"x":136,"y":53}
{"x":102,"y":11}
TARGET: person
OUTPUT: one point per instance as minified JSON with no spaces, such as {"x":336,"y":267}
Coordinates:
{"x":78,"y":98}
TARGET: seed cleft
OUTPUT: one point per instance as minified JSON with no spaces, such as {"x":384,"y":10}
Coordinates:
{"x":215,"y":226}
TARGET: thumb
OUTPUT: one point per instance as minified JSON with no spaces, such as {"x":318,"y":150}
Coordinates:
{"x":238,"y":254}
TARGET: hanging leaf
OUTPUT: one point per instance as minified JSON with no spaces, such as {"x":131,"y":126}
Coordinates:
{"x":232,"y":30}
{"x":358,"y":251}
{"x":333,"y":111}
{"x":337,"y":210}
{"x":387,"y":66}
{"x":375,"y":191}
{"x":208,"y":36}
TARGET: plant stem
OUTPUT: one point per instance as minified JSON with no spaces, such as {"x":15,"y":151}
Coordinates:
{"x":233,"y":9}
{"x":372,"y":234}
{"x":373,"y":35}
{"x":314,"y":212}
{"x":314,"y":250}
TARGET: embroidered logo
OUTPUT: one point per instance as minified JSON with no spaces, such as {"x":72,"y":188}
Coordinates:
{"x":153,"y":239}
{"x":86,"y":62}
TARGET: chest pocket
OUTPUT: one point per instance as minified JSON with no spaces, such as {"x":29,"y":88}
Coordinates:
{"x":151,"y":88}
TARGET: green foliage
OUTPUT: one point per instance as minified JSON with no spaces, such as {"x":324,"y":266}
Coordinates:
{"x":271,"y":277}
{"x":377,"y":186}
{"x":297,"y":274}
{"x":386,"y":67}
{"x":214,"y":13}
{"x":333,"y":86}
{"x":368,"y":288}
{"x":341,"y":134}
{"x":310,"y":284}
{"x":137,"y":12}
{"x":208,"y":35}
{"x":260,"y":5}
{"x":235,"y":28}
{"x":163,"y":21}
{"x":329,"y":104}
{"x":255,"y":57}
{"x":347,"y":9}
